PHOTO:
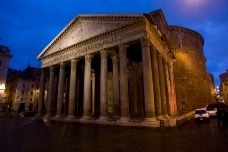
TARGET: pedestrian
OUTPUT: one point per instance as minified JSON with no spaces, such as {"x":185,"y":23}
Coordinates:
{"x":7,"y":108}
{"x":223,"y":116}
{"x":219,"y":116}
{"x":226,"y":118}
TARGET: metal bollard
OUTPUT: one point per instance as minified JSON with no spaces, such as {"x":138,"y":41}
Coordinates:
{"x":162,"y":124}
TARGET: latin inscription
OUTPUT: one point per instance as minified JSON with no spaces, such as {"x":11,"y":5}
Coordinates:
{"x":84,"y":49}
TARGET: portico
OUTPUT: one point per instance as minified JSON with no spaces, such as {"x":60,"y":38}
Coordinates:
{"x":119,"y":68}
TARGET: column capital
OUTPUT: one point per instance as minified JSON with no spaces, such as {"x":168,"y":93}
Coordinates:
{"x":114,"y":59}
{"x":164,"y":60}
{"x":131,"y":67}
{"x":74,"y":60}
{"x":89,"y":57}
{"x":104,"y":53}
{"x":153,"y":49}
{"x":52,"y":68}
{"x":144,"y":41}
{"x":92,"y":76}
{"x":43,"y":70}
{"x":62,"y":65}
{"x":123,"y":48}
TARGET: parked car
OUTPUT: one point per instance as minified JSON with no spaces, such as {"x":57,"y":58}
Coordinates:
{"x":201,"y":115}
{"x":212,"y":111}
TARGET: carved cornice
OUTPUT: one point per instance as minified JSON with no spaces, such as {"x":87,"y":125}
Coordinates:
{"x":153,"y":31}
{"x":139,"y":20}
{"x":161,"y":15}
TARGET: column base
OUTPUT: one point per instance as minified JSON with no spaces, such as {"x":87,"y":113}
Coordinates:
{"x":103,"y":118}
{"x":150,"y":119}
{"x":86,"y":117}
{"x":38,"y":115}
{"x":152,"y":122}
{"x":165,"y":116}
{"x":71,"y":117}
{"x":124,"y":119}
{"x":115,"y":116}
{"x":160,"y":117}
{"x":58,"y":116}
{"x":47,"y":116}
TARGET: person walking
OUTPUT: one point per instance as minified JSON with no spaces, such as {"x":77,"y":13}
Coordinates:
{"x":219,"y":116}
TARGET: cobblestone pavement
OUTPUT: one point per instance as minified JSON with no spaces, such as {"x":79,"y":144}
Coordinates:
{"x":30,"y":134}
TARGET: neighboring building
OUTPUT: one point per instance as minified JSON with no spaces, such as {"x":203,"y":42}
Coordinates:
{"x":124,"y":65}
{"x":212,"y":87}
{"x":22,"y":89}
{"x":223,"y":86}
{"x":5,"y":57}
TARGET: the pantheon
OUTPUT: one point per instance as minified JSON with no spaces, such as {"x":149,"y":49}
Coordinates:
{"x":123,"y":65}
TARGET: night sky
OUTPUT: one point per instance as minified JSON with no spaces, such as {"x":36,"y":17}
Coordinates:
{"x":28,"y":26}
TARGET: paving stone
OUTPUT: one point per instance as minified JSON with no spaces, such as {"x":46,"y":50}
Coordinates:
{"x":30,"y":134}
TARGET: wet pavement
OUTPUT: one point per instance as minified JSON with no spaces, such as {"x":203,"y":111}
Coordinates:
{"x":31,"y":134}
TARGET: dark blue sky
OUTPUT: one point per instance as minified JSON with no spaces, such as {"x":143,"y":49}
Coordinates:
{"x":27,"y":26}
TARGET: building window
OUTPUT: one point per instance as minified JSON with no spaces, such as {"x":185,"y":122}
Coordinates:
{"x":31,"y":92}
{"x":0,"y":63}
{"x":23,"y":85}
{"x":32,"y":85}
{"x":179,"y":45}
{"x":38,"y":79}
{"x":36,"y":99}
{"x":37,"y":93}
{"x":22,"y":92}
{"x":38,"y":86}
{"x":30,"y":99}
{"x":21,"y":99}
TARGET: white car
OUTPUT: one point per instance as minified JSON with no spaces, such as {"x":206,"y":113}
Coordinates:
{"x":212,"y":111}
{"x":201,"y":114}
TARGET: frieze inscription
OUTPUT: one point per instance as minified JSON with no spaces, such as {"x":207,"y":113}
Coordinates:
{"x":84,"y":49}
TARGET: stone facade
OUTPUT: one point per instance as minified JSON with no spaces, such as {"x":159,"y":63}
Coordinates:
{"x":5,"y":57}
{"x":22,"y":89}
{"x":212,"y":86}
{"x":117,"y":66}
{"x":224,"y":86}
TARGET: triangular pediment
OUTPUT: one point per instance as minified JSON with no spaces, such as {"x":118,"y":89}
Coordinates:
{"x":83,"y":27}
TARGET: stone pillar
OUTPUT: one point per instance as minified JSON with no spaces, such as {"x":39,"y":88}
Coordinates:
{"x":87,"y":88}
{"x":157,"y":94}
{"x":60,"y":90}
{"x":50,"y":91}
{"x":147,"y":81}
{"x":132,"y":91}
{"x":54,"y":101}
{"x":93,"y":94}
{"x":167,"y":86}
{"x":104,"y":86}
{"x":162,"y":86}
{"x":72,"y":93}
{"x":41,"y":93}
{"x":124,"y":101}
{"x":116,"y":87}
{"x":67,"y":90}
